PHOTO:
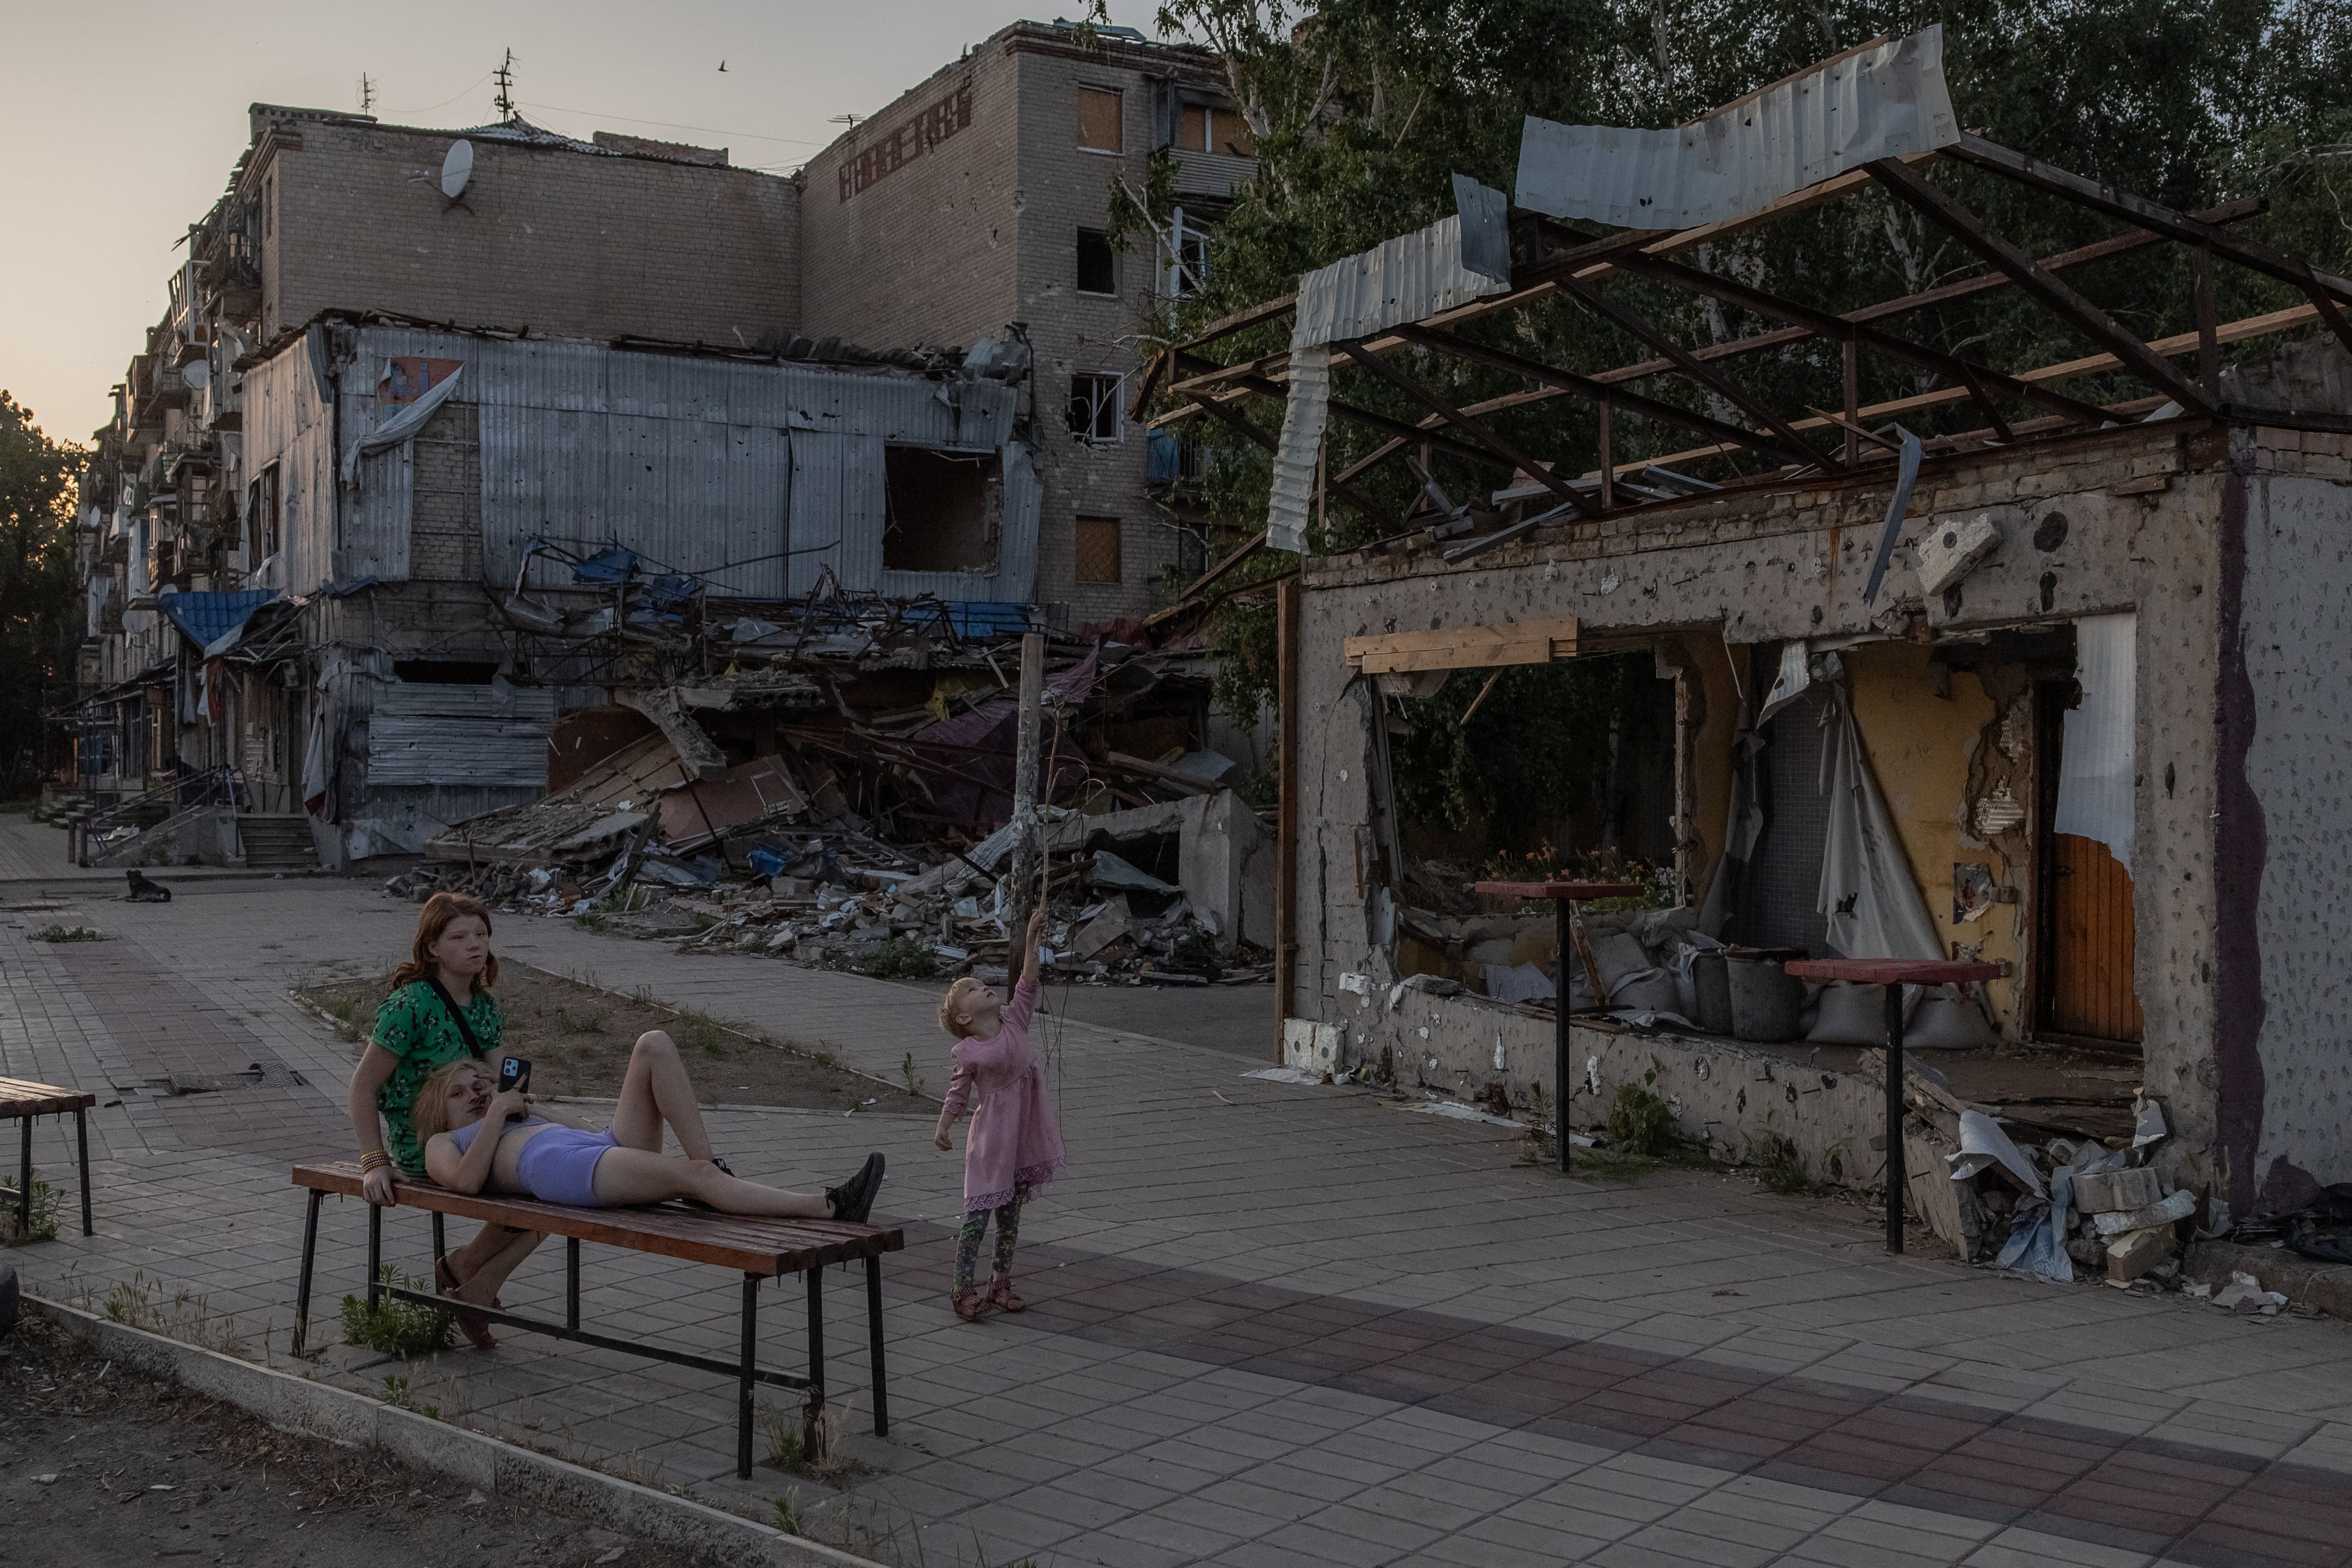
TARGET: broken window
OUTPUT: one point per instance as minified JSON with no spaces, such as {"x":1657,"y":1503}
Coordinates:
{"x":1097,"y":556}
{"x":1215,"y":127}
{"x":1188,"y":268}
{"x":944,"y":510}
{"x":1098,"y":263}
{"x":264,"y":507}
{"x":1101,"y":123}
{"x":1094,"y":412}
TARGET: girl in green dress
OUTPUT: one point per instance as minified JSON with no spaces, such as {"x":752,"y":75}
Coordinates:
{"x":440,"y":1011}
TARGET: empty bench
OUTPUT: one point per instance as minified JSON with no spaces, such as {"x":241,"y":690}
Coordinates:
{"x":22,"y":1100}
{"x":755,"y":1247}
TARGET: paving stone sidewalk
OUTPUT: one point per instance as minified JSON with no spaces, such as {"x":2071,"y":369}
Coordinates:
{"x":1270,"y":1324}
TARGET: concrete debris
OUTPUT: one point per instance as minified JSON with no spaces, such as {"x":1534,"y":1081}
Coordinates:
{"x":2168,"y":1210}
{"x":2245,"y":1294}
{"x":851,"y":806}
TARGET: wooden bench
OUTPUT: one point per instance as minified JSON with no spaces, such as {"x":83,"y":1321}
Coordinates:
{"x":24,"y":1100}
{"x":757,"y":1248}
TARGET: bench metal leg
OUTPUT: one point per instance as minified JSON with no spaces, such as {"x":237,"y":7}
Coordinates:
{"x":375,"y":1257}
{"x":874,"y":1344}
{"x":440,"y":1242}
{"x":81,"y":1137}
{"x":744,"y":1381}
{"x":816,"y":1339}
{"x":572,"y":1281}
{"x":25,"y":1178}
{"x":310,"y":1252}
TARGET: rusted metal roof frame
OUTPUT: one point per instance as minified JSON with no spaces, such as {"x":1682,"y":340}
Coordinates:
{"x":1220,"y":391}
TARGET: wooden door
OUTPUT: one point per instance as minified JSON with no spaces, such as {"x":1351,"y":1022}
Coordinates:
{"x":2092,"y":944}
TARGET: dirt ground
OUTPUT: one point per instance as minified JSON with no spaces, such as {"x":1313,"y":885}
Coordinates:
{"x":578,"y":1038}
{"x":100,"y":1466}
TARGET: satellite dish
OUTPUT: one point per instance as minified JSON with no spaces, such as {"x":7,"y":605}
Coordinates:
{"x":456,"y":169}
{"x":197,"y":373}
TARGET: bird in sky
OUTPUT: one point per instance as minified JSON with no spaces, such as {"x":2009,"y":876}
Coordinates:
{"x":723,"y":65}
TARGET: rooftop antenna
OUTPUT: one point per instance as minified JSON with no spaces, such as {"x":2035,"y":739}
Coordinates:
{"x":846,"y":119}
{"x":505,"y":74}
{"x":367,"y":94}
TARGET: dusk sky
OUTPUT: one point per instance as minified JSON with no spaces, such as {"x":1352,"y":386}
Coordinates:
{"x":123,"y":120}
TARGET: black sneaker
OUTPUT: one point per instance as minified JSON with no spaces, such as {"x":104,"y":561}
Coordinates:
{"x":853,"y":1199}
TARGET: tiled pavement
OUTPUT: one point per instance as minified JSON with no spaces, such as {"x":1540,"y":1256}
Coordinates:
{"x":1270,"y":1324}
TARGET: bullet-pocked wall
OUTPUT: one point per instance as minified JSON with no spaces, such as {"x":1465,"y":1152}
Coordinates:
{"x":2142,"y":509}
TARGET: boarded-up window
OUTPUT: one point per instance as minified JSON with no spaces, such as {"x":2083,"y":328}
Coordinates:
{"x":1098,"y":263}
{"x":1213,"y":128}
{"x":944,"y":511}
{"x":1098,"y":550}
{"x":1101,"y":124}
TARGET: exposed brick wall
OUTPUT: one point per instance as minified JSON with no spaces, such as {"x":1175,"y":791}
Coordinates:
{"x":981,"y":229}
{"x":561,"y":241}
{"x":444,"y":538}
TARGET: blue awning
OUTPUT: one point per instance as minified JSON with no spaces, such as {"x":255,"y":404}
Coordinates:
{"x":211,"y":620}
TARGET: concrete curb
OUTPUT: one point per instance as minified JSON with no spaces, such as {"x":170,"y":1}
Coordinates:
{"x":2306,"y":1282}
{"x":499,"y":1468}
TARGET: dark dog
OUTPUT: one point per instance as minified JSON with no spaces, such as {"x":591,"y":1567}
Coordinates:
{"x":143,"y":891}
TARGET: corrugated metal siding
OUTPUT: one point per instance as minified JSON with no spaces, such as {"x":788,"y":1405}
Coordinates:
{"x":1408,"y":279}
{"x":695,"y":464}
{"x":288,"y":424}
{"x":1303,"y":419}
{"x":1884,"y":103}
{"x":485,"y":736}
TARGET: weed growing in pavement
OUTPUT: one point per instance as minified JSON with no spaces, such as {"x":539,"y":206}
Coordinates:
{"x":47,"y":1202}
{"x":398,"y":1327}
{"x":54,"y":933}
{"x":906,"y":1071}
{"x":788,"y":1450}
{"x":187,"y":1317}
{"x":698,"y":1031}
{"x":395,"y":1393}
{"x":1641,"y":1124}
{"x":788,"y":1516}
{"x":900,"y":958}
{"x":1778,"y":1166}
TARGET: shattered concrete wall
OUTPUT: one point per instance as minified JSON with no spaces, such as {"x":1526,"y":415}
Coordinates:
{"x":2284,"y":797}
{"x":2136,"y":510}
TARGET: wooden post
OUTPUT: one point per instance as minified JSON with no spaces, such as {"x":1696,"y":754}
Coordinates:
{"x":1027,"y":845}
{"x":1286,"y":848}
{"x":2209,"y":342}
{"x":1852,"y":380}
{"x":1608,"y":455}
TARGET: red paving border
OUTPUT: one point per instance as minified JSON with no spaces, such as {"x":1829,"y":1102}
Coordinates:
{"x":2189,"y":1505}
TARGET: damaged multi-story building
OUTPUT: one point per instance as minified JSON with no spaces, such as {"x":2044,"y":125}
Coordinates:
{"x":2053,"y":683}
{"x":446,"y":435}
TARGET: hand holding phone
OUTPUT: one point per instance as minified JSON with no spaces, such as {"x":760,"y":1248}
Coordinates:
{"x":514,"y":1077}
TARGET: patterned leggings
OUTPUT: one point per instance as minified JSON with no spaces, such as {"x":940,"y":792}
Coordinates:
{"x":1008,"y":1235}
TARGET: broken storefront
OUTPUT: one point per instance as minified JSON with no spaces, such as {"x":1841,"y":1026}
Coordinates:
{"x":2041,"y":685}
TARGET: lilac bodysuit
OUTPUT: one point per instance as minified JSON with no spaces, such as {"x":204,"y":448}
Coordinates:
{"x":557,"y":1166}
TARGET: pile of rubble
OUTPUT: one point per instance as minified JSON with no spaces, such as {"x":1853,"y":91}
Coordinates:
{"x":874,"y":839}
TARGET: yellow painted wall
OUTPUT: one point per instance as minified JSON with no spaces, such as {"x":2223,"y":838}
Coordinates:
{"x":1920,"y":747}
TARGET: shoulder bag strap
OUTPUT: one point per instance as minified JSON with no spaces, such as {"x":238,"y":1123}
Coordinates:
{"x":456,"y":1016}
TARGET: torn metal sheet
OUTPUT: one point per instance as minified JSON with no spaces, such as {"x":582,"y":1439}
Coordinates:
{"x":1409,"y":279}
{"x":1303,"y":416}
{"x":1485,"y":229}
{"x":1897,"y":508}
{"x":1885,"y":100}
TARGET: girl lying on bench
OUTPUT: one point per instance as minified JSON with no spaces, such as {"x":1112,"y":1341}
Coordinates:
{"x":559,"y":1162}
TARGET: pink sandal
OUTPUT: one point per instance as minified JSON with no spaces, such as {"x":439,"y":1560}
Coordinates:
{"x":1001,"y":1296}
{"x":970,"y":1305}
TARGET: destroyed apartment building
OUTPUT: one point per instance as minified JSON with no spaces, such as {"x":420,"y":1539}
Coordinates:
{"x":455,"y":450}
{"x":2040,"y":665}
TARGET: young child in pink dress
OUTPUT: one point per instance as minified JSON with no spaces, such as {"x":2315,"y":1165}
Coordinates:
{"x":1015,"y":1145}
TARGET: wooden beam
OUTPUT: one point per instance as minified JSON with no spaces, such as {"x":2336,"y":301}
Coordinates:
{"x":1585,"y":386}
{"x":1256,"y":432}
{"x":2122,"y":204}
{"x":1464,"y":648}
{"x":1953,"y":217}
{"x":1792,"y":443}
{"x":1471,"y":427}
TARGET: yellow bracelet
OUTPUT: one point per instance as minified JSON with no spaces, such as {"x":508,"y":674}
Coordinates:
{"x":370,"y":1158}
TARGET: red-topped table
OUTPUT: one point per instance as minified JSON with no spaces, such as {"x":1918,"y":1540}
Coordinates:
{"x":1894,"y":974}
{"x":1564,"y":897}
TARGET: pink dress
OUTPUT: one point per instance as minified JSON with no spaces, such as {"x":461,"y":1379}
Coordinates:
{"x":1014,"y":1140}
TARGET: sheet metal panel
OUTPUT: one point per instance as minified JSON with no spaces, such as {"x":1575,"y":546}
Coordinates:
{"x":686,"y":461}
{"x":289,"y":423}
{"x":1303,"y":416}
{"x":488,"y":736}
{"x":1888,"y":100}
{"x":1408,"y":279}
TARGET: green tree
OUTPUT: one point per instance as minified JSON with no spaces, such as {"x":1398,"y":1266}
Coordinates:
{"x":39,"y":607}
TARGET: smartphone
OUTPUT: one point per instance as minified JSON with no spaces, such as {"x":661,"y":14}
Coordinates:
{"x":514,"y":1072}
